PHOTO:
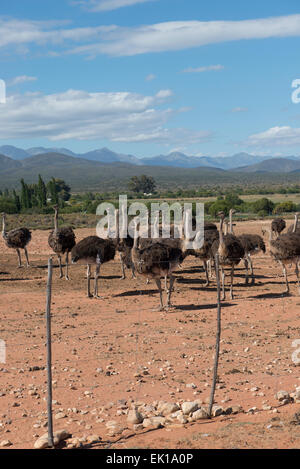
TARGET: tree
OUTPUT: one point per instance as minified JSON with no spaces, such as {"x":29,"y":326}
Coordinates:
{"x":285,"y":207}
{"x":58,"y":190}
{"x":263,"y":205}
{"x":219,"y":205}
{"x":17,"y":201}
{"x":233,"y":200}
{"x":145,"y":184}
{"x":25,"y":196}
{"x":41,"y":192}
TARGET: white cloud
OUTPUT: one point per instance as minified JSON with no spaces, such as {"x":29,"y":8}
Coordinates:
{"x":125,"y":41}
{"x":203,"y":69}
{"x":150,"y":77}
{"x":239,"y":109}
{"x":79,"y":115}
{"x":179,"y":35}
{"x":106,"y":5}
{"x":18,"y":33}
{"x":276,"y":136}
{"x":21,"y":79}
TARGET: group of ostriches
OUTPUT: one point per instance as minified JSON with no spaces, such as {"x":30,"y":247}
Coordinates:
{"x":158,"y":257}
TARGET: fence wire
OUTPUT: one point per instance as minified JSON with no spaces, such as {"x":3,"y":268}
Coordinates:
{"x":178,"y":376}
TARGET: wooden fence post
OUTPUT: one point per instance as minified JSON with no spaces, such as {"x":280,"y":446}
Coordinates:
{"x":218,"y":336}
{"x":49,"y":357}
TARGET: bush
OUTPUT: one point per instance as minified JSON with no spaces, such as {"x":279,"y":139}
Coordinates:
{"x":219,"y":206}
{"x":263,"y":205}
{"x":285,"y":207}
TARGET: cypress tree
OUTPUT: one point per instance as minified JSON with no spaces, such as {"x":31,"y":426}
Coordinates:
{"x":41,"y":192}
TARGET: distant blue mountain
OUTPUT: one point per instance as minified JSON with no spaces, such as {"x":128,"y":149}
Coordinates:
{"x":174,"y":159}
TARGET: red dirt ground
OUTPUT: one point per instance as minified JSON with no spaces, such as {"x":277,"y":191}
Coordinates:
{"x":123,"y":333}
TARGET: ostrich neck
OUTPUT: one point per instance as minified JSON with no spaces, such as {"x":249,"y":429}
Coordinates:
{"x":4,"y":227}
{"x":221,"y":232}
{"x":56,"y":222}
{"x":295,"y":223}
{"x":270,"y":239}
{"x":117,"y":215}
{"x":135,"y":241}
{"x":226,"y":228}
{"x":230,"y":223}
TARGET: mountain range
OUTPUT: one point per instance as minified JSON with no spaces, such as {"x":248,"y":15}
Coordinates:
{"x":84,"y":174}
{"x":174,"y":159}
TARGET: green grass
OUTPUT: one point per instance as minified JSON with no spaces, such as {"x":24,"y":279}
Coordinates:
{"x":45,"y":222}
{"x":86,"y":220}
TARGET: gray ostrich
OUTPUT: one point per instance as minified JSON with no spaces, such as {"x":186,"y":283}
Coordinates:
{"x":154,"y":261}
{"x":61,"y":241}
{"x":16,"y":239}
{"x":252,"y":244}
{"x":93,"y":250}
{"x":230,"y":252}
{"x":277,"y":226}
{"x":285,"y":249}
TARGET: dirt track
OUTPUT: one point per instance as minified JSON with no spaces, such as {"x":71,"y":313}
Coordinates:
{"x":124,"y":337}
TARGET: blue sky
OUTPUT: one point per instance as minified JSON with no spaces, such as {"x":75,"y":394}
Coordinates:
{"x":151,"y":76}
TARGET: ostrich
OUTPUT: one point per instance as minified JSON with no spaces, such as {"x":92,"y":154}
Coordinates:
{"x":286,"y":250}
{"x":16,"y":239}
{"x":156,"y":260}
{"x":230,"y":251}
{"x":93,"y":250}
{"x":61,"y":241}
{"x":204,"y":253}
{"x":252,"y":244}
{"x":294,"y":227}
{"x":278,"y":225}
{"x":124,"y":245}
{"x":174,"y":242}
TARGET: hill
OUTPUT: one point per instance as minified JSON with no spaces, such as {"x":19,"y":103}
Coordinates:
{"x":86,"y":175}
{"x":174,"y":159}
{"x":8,"y":163}
{"x":278,"y":165}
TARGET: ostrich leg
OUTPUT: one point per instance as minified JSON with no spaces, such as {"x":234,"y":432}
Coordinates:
{"x":19,"y":258}
{"x":251,"y":269}
{"x":246,"y":263}
{"x":206,"y":273}
{"x":158,"y":283}
{"x":297,"y":273}
{"x":97,"y":273}
{"x":67,"y":266}
{"x":88,"y":276}
{"x":26,"y":255}
{"x":123,"y":269}
{"x":287,"y":290}
{"x":171,"y":283}
{"x":60,"y":266}
{"x":231,"y":282}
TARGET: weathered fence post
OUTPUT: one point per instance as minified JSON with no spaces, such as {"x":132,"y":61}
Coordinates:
{"x":49,"y":358}
{"x":218,"y":335}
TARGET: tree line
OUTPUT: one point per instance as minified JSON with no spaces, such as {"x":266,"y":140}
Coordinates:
{"x":35,"y":197}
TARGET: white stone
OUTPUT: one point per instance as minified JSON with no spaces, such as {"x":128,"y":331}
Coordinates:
{"x":200,"y":414}
{"x":134,"y":417}
{"x":58,"y":436}
{"x":188,"y":407}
